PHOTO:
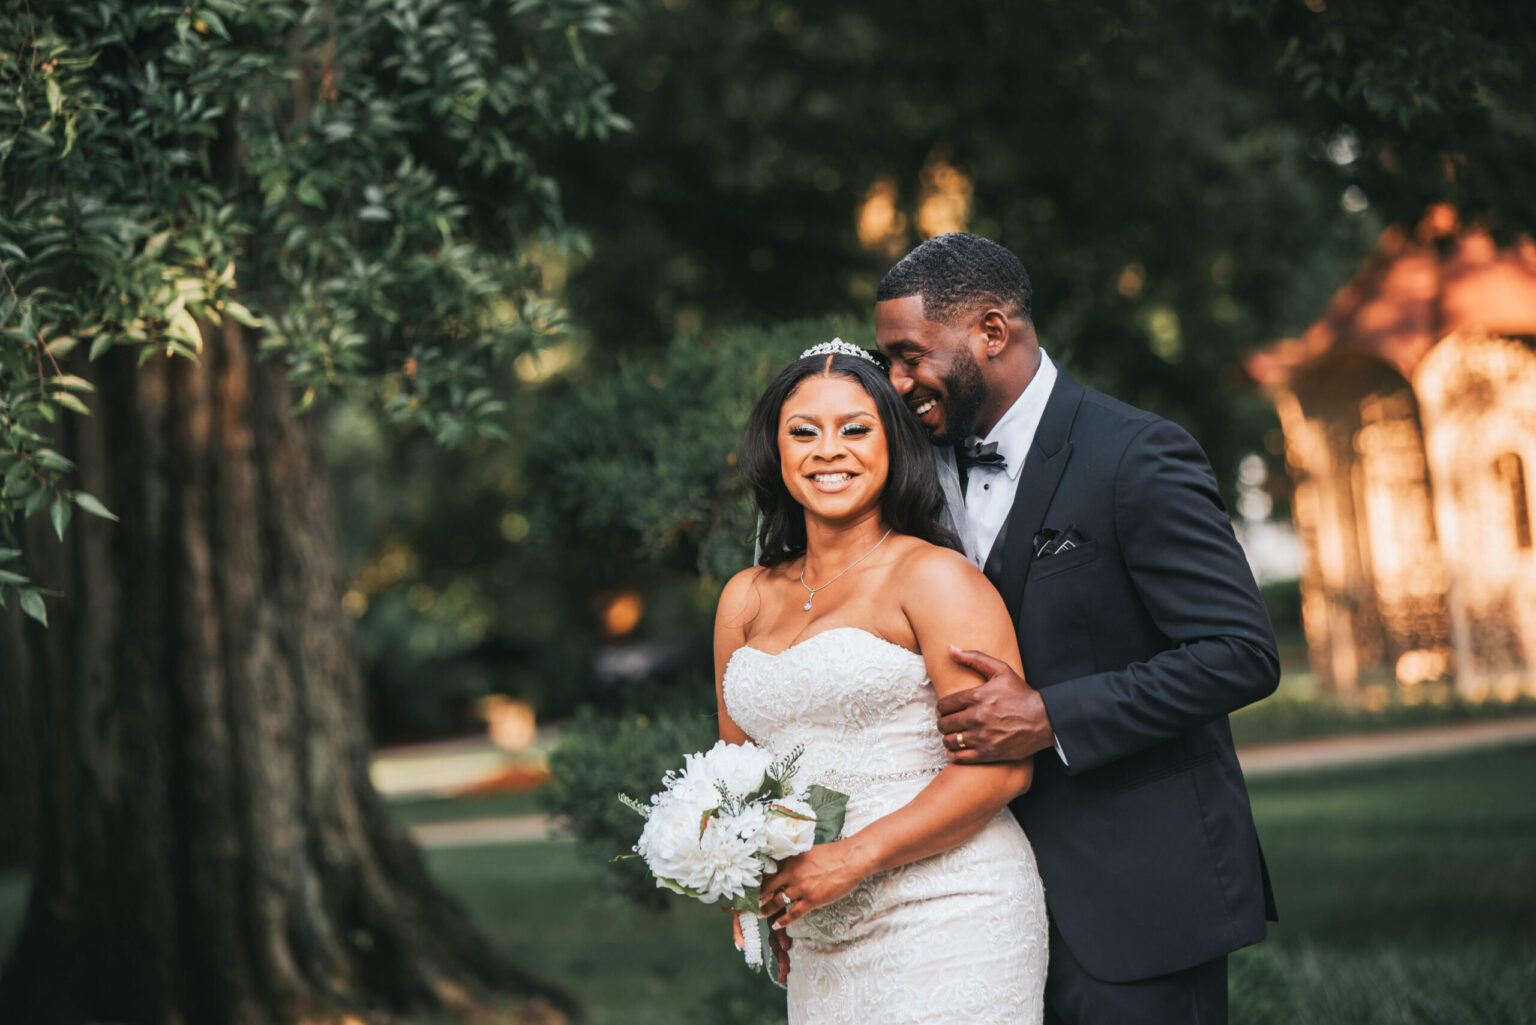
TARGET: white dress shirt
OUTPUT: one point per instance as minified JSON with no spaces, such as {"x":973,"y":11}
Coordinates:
{"x":990,"y":490}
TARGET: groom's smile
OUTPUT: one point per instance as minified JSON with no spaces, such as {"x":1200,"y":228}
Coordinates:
{"x":932,"y":368}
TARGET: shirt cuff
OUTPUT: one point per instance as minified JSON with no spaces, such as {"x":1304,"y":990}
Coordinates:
{"x":1060,"y":753}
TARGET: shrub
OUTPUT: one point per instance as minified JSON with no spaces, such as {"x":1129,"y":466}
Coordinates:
{"x":642,"y":457}
{"x":601,"y":756}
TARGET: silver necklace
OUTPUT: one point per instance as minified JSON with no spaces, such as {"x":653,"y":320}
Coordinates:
{"x":829,"y":583}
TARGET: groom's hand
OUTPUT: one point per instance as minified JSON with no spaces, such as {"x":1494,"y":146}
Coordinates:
{"x":1003,"y":720}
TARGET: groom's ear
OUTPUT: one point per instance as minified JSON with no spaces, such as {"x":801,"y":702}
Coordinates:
{"x":996,"y":330}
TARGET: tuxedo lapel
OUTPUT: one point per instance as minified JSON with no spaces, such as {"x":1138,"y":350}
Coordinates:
{"x":1037,"y":485}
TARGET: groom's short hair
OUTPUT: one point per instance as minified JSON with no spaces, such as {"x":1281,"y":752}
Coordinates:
{"x":957,"y":273}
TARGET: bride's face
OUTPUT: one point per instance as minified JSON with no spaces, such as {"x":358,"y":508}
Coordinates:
{"x":832,"y":448}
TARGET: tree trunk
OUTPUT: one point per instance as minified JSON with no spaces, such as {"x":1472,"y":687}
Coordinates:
{"x":18,"y":775}
{"x":210,"y":848}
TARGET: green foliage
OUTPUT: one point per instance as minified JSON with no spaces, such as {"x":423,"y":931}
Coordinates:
{"x":601,"y":757}
{"x":1172,"y":206}
{"x":358,"y":182}
{"x":645,"y":450}
{"x":1415,"y":102}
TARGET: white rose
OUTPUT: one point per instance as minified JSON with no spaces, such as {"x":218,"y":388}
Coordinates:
{"x":738,"y":767}
{"x":669,"y":839}
{"x":786,"y":834}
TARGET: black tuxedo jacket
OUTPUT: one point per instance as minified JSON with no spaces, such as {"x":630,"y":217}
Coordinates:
{"x":1141,"y":639}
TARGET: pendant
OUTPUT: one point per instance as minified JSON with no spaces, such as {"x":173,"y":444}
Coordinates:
{"x":807,"y":605}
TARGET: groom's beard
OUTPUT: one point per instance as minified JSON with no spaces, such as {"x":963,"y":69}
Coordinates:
{"x":965,"y":392}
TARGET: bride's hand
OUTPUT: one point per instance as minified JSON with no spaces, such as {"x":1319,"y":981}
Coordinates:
{"x":823,"y":874}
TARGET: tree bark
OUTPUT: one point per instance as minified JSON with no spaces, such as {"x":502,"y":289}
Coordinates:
{"x":210,"y":848}
{"x":18,"y":775}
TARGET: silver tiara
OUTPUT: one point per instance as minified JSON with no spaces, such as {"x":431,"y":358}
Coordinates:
{"x":840,"y":348}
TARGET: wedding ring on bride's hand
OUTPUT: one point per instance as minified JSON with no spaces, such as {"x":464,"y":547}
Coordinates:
{"x":785,"y":898}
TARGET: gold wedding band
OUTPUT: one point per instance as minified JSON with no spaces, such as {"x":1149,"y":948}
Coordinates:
{"x":960,"y":741}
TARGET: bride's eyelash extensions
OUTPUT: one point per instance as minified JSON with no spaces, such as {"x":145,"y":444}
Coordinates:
{"x":807,"y":431}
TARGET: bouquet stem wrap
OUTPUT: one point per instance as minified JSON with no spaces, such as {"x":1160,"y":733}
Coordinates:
{"x":751,"y":939}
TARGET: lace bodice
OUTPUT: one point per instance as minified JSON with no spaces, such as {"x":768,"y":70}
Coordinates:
{"x":958,"y":936}
{"x":860,"y":706}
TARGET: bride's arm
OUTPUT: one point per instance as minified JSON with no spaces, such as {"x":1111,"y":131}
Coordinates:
{"x":947,"y":602}
{"x":737,"y":606}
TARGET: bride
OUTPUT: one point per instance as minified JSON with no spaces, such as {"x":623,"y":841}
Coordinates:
{"x":929,"y":907}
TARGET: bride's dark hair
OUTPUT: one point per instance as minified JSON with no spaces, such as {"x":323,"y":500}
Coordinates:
{"x":911,"y":503}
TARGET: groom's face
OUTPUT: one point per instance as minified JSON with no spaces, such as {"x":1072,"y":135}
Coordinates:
{"x":933,"y":368}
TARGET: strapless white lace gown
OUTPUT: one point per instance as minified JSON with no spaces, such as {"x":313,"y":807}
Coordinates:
{"x":958,"y":937}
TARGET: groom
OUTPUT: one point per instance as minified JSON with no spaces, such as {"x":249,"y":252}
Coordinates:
{"x":1140,"y":628}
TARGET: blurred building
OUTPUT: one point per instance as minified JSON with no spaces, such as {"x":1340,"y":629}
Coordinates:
{"x":1409,"y":414}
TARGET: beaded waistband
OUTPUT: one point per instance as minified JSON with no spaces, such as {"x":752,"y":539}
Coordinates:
{"x":850,"y":782}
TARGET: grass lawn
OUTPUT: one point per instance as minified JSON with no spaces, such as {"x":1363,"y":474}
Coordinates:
{"x":549,"y":911}
{"x":1407,"y":893}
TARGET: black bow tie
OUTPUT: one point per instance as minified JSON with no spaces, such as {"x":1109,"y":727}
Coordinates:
{"x":975,"y":452}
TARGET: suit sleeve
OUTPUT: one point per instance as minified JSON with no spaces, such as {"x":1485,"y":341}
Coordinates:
{"x":1195,"y":583}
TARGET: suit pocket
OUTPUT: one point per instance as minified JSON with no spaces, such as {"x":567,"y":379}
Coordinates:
{"x":1072,"y":558}
{"x":1143,"y":778}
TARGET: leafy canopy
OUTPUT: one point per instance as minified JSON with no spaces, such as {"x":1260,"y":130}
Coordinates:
{"x":357,"y":181}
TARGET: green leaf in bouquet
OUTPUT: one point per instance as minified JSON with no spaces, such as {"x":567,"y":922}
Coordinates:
{"x":750,"y":900}
{"x":766,"y":790}
{"x":704,"y":820}
{"x":770,"y":957}
{"x":789,"y":813}
{"x":830,"y":807}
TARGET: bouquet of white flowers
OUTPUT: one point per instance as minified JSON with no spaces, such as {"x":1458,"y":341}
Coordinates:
{"x":726,"y":819}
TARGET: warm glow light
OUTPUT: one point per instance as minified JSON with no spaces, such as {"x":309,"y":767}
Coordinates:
{"x":623,"y":614}
{"x":355,"y":603}
{"x":1132,"y":277}
{"x":515,"y":527}
{"x":511,"y":723}
{"x":945,"y":203}
{"x":880,"y":225}
{"x":544,"y":364}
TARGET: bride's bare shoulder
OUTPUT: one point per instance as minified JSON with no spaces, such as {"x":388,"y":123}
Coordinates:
{"x":924,"y":563}
{"x":742,"y":596}
{"x":931,"y":576}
